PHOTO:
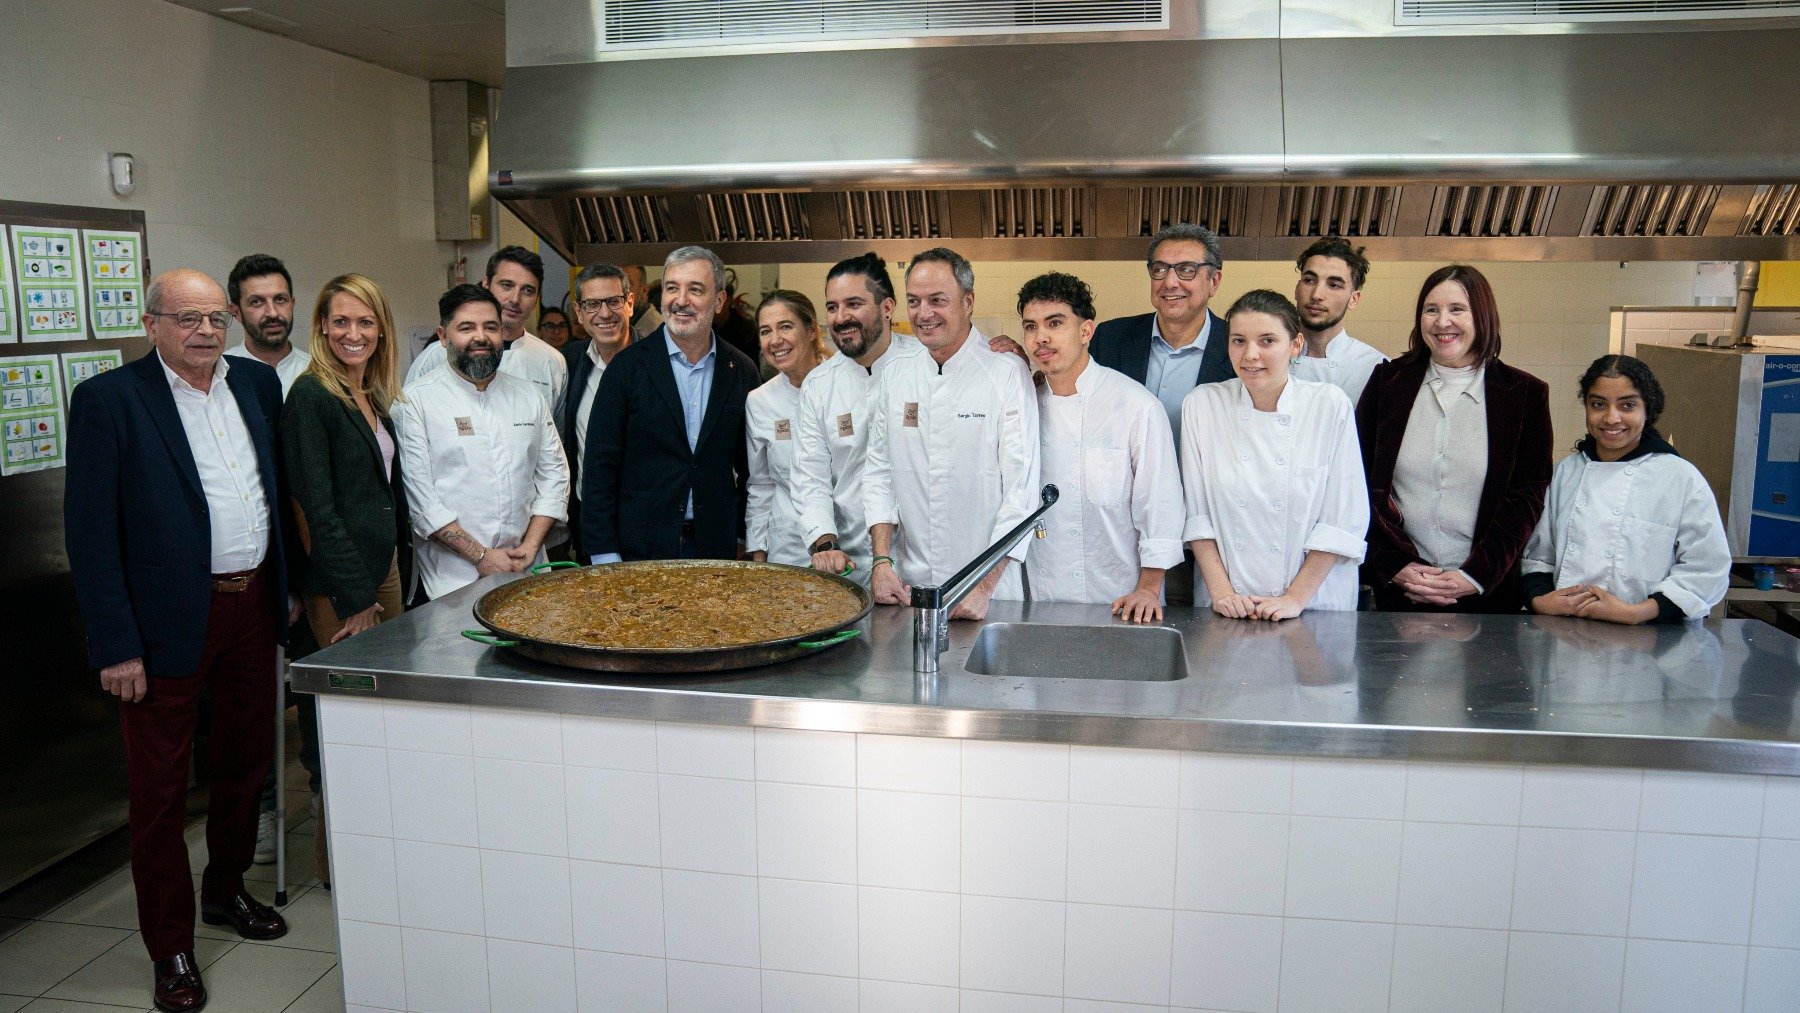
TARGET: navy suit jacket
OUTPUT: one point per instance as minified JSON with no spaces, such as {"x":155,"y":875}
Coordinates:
{"x":135,"y":517}
{"x":1123,"y":343}
{"x":581,"y":365}
{"x":639,"y":470}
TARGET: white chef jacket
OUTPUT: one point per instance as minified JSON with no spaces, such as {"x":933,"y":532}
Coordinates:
{"x":489,"y":460}
{"x":529,"y":358}
{"x":287,"y":370}
{"x":1346,"y":365}
{"x":952,"y":459}
{"x":237,"y":511}
{"x":1269,"y":487}
{"x":771,"y":523}
{"x":1107,"y":448}
{"x":1636,"y":528}
{"x":831,"y":443}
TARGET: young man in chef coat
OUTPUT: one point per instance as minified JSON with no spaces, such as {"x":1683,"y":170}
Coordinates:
{"x":1332,"y":273}
{"x":1106,"y":445}
{"x":831,"y":440}
{"x":484,"y":469}
{"x":515,"y":276}
{"x":953,"y":446}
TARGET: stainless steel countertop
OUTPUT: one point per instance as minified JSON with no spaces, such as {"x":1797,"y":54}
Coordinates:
{"x":1713,"y":696}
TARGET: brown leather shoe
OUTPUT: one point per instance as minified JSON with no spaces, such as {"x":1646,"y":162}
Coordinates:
{"x":178,"y":985}
{"x":251,"y":919}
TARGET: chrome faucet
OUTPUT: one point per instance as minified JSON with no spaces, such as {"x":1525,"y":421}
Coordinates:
{"x":932,"y":605}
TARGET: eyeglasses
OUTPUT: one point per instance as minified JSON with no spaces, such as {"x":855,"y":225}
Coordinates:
{"x":614,"y":303}
{"x":1187,"y":270}
{"x":189,"y":320}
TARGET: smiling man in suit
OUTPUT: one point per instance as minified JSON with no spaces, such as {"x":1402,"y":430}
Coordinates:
{"x":665,"y":465}
{"x":172,"y":522}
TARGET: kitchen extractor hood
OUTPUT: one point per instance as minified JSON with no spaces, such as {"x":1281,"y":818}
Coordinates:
{"x":1271,"y":124}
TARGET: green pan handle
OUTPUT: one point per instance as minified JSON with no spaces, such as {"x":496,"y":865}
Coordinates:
{"x":489,"y":639}
{"x":847,"y":570}
{"x":561,"y":564}
{"x":836,"y":638}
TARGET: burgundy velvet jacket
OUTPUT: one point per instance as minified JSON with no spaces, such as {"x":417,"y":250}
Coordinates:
{"x":1518,"y":473}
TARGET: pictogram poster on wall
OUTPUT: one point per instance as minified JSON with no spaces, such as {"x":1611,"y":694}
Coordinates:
{"x":79,"y":366}
{"x":31,"y":414}
{"x":115,"y":279}
{"x":47,"y":261}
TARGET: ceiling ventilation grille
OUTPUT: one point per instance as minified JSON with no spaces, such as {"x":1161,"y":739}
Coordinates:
{"x":1339,"y":210}
{"x":753,"y":217}
{"x":1490,"y":212}
{"x":1047,"y":212}
{"x":1774,"y":211}
{"x":1223,"y":209}
{"x":1650,"y":210}
{"x":1492,"y":12}
{"x":893,"y":214}
{"x":665,"y":23}
{"x":608,"y":220}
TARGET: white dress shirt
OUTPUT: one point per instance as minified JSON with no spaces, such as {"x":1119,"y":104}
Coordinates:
{"x":1442,"y":465}
{"x":1636,"y":528}
{"x":1269,"y":487}
{"x":1107,"y":448}
{"x":771,"y":523}
{"x":488,"y":460}
{"x":237,"y":511}
{"x":952,"y":459}
{"x":529,"y":358}
{"x":831,"y":444}
{"x":287,"y":370}
{"x":584,"y":411}
{"x":1345,"y":365}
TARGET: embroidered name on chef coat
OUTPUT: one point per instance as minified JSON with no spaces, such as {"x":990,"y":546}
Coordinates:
{"x":464,"y":427}
{"x":784,"y":429}
{"x":910,"y":415}
{"x":846,"y":427}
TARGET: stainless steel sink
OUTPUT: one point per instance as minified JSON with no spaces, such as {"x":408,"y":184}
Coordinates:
{"x":1045,"y":651}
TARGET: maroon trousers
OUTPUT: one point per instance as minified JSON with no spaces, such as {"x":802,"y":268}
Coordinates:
{"x":238,"y":669}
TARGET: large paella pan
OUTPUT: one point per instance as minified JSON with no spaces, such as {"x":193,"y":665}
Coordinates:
{"x":671,"y":616}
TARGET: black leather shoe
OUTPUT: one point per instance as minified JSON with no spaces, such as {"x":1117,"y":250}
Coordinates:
{"x":178,"y":985}
{"x":251,"y":919}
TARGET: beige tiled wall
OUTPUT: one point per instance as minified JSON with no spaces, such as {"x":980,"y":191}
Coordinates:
{"x":1554,"y":316}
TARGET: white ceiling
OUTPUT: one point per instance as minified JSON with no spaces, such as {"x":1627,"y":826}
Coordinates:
{"x":431,"y":39}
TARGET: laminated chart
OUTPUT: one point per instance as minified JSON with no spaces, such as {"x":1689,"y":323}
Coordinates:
{"x":79,"y":366}
{"x":9,"y":317}
{"x":48,"y":263}
{"x":115,"y":281}
{"x":31,"y":414}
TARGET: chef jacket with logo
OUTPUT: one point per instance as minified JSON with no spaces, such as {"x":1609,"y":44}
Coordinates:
{"x":831,"y":444}
{"x":1639,"y":527}
{"x":1107,"y":448}
{"x":1269,"y":487}
{"x":953,"y":459}
{"x":488,"y":460}
{"x":771,"y":522}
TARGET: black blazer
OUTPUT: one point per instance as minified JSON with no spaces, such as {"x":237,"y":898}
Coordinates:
{"x":135,"y":517}
{"x":638,"y":471}
{"x":353,"y":518}
{"x":1512,"y":496}
{"x":1123,"y":343}
{"x":581,"y":366}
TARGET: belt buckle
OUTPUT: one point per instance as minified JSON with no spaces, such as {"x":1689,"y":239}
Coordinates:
{"x":232,"y":585}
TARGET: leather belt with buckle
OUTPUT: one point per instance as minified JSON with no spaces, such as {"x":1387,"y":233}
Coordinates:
{"x":232,"y":583}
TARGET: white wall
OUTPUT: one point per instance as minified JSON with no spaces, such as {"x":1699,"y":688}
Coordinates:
{"x":245,"y":143}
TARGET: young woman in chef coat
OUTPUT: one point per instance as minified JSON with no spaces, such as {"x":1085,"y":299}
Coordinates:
{"x":1272,"y":473}
{"x":1630,"y":532}
{"x":787,"y":330}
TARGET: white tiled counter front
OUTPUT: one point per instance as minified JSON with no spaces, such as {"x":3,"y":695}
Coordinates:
{"x":487,"y":859}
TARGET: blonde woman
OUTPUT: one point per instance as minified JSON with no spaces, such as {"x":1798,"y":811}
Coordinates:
{"x":345,"y":474}
{"x":787,"y":328}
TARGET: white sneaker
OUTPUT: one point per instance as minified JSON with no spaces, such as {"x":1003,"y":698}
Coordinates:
{"x":265,"y":838}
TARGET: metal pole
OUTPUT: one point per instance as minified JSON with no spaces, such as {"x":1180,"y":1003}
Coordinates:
{"x":280,"y":769}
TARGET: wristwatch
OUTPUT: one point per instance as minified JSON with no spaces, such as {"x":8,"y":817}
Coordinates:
{"x":825,"y":545}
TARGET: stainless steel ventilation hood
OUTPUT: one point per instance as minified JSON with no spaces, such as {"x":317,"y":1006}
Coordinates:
{"x":1528,"y":145}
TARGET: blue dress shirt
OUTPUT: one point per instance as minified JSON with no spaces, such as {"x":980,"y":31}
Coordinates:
{"x":694,"y":382}
{"x":1173,"y":373}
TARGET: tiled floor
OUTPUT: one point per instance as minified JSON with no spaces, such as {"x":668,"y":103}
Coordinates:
{"x":69,"y":940}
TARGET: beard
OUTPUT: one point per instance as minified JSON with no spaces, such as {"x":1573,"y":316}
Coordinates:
{"x":1325,"y":325}
{"x":853,"y":339}
{"x":476,"y":367}
{"x":259,"y":335}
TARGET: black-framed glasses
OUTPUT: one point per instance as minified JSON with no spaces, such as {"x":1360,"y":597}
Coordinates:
{"x":611,"y":302}
{"x":189,"y":320}
{"x":1187,"y":270}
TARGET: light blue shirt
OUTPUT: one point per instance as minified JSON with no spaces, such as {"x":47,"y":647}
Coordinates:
{"x":694,"y":382}
{"x":1173,"y":373}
